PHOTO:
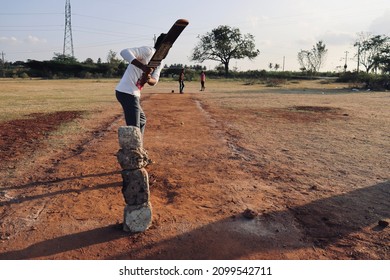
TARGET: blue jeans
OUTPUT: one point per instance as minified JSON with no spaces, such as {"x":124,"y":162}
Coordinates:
{"x":134,"y":115}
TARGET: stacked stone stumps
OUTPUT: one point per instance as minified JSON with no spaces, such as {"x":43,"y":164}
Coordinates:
{"x":135,"y":188}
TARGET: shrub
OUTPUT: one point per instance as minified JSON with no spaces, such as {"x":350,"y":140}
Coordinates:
{"x":365,"y":80}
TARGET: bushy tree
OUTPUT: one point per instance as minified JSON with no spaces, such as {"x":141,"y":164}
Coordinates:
{"x":372,"y":50}
{"x":384,"y":59}
{"x":88,"y":61}
{"x":64,"y":58}
{"x":223,"y":44}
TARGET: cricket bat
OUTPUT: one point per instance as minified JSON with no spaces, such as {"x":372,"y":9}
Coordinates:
{"x":173,"y":33}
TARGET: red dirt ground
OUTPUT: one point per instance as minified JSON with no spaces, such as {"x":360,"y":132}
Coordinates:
{"x":68,"y":204}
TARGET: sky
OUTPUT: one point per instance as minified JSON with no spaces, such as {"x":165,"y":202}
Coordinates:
{"x":34,"y":29}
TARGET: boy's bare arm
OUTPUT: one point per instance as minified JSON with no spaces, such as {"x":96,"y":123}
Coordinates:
{"x":146,"y":77}
{"x":146,"y":69}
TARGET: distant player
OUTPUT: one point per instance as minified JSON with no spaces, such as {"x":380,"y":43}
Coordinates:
{"x":181,"y":81}
{"x":202,"y":80}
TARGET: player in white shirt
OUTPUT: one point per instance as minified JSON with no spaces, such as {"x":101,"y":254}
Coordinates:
{"x":128,"y":90}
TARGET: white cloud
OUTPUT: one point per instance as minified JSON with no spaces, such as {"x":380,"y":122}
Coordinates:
{"x":29,"y":40}
{"x":34,"y":40}
{"x":9,"y":40}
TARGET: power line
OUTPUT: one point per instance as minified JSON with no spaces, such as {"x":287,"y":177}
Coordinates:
{"x":113,"y":20}
{"x":108,"y":32}
{"x":24,"y":30}
{"x":27,"y":26}
{"x":28,"y":14}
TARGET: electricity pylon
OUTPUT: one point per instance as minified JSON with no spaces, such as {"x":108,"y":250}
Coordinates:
{"x":68,"y":39}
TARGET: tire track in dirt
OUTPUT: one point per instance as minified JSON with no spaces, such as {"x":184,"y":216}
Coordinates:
{"x":22,"y":211}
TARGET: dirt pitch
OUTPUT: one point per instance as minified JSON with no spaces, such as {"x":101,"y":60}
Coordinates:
{"x":311,"y":161}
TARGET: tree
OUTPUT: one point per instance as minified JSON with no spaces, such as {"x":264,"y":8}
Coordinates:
{"x":384,"y":59}
{"x":319,"y":52}
{"x":111,"y":58}
{"x":64,"y":58}
{"x":304,"y":60}
{"x":113,"y":63}
{"x":315,"y":58}
{"x":88,"y":61}
{"x":370,"y":50}
{"x":223,"y":44}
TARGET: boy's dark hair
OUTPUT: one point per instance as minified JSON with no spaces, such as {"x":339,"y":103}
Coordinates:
{"x":159,"y":40}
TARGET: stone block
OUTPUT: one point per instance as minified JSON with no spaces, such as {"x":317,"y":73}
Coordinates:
{"x":135,"y":188}
{"x":137,"y":218}
{"x":132,"y":159}
{"x":130,"y":137}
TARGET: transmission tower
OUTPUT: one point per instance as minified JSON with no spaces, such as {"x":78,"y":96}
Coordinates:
{"x":68,"y":39}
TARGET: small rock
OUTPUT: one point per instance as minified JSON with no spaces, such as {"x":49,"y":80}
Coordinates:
{"x":249,"y":214}
{"x":383,"y":223}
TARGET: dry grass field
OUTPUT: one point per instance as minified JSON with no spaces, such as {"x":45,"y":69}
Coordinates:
{"x":309,"y":158}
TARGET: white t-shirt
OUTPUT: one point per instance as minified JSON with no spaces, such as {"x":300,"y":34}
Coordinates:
{"x":128,"y":83}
